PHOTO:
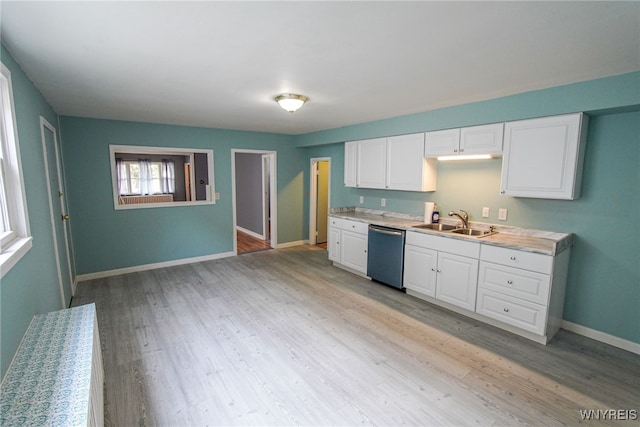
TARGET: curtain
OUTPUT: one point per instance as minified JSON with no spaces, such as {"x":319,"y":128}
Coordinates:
{"x":145,"y":177}
{"x":121,"y":172}
{"x":167,"y":177}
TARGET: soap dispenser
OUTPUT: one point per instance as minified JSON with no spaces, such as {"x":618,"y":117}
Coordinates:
{"x":435,"y":216}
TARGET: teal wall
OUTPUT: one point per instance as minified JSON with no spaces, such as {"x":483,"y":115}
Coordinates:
{"x":31,"y":286}
{"x":603,"y":291}
{"x":604,"y":281}
{"x":106,"y":239}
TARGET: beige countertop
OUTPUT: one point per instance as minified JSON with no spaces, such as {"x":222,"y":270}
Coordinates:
{"x":525,"y":239}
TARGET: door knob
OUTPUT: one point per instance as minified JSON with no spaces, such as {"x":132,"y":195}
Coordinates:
{"x":64,"y":217}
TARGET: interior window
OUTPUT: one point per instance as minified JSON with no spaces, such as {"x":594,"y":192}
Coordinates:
{"x":146,"y":177}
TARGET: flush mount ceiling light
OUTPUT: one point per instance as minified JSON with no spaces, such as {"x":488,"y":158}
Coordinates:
{"x":291,"y":101}
{"x":465,"y":157}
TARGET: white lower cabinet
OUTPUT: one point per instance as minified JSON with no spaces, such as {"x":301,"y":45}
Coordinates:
{"x":517,"y":290}
{"x":441,"y":267}
{"x":522,"y":289}
{"x":347,"y":243}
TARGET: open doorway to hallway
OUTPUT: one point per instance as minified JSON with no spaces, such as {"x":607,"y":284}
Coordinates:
{"x":319,"y":200}
{"x":254,"y":200}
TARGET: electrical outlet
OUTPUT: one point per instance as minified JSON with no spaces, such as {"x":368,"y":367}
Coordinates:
{"x":502,"y":214}
{"x":485,"y":212}
{"x":361,"y":199}
{"x":383,"y":202}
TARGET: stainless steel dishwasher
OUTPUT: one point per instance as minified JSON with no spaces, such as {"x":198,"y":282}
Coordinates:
{"x":385,"y":255}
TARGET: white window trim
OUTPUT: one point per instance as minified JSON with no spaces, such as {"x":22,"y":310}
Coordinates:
{"x":211,"y":191}
{"x":18,"y":243}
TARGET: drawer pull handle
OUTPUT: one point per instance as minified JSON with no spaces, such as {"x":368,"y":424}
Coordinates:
{"x":510,"y":282}
{"x":433,"y":269}
{"x":512,"y":258}
{"x":506,"y":310}
{"x":439,"y":271}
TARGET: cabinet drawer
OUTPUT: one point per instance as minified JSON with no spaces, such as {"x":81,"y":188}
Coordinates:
{"x":444,"y":244}
{"x":519,"y":313}
{"x":523,"y":284}
{"x":335,"y":222}
{"x":355,"y":226}
{"x":519,"y":259}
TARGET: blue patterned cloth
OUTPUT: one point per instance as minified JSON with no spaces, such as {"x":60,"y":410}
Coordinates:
{"x":49,"y":379}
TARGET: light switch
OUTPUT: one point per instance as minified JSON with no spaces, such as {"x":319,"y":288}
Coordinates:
{"x":502,"y":214}
{"x":361,"y":199}
{"x":485,"y":212}
{"x":217,"y":196}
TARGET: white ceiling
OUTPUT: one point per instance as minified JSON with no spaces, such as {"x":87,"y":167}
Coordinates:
{"x":219,"y":64}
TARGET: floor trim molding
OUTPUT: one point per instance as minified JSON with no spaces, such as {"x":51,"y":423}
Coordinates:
{"x":144,"y":267}
{"x":291,"y":244}
{"x":602,"y":337}
{"x":250,"y":233}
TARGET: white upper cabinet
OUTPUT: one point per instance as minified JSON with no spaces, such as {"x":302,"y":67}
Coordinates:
{"x":395,"y":163}
{"x":372,"y":163}
{"x":543,"y":157}
{"x":485,"y":139}
{"x":442,"y":142}
{"x":407,"y":168}
{"x":350,"y":163}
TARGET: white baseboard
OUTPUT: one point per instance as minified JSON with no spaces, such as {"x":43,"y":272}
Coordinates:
{"x":250,"y":233}
{"x":290,"y":244}
{"x":116,"y":272}
{"x":631,"y":346}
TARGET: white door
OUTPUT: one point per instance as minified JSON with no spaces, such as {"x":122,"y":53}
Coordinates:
{"x":372,"y":163}
{"x":57,"y":210}
{"x":543,"y":157}
{"x":334,"y":244}
{"x":354,"y":250}
{"x":485,"y":139}
{"x":405,"y":162}
{"x":420,"y":269}
{"x":442,"y":142}
{"x":351,"y":164}
{"x":457,"y":280}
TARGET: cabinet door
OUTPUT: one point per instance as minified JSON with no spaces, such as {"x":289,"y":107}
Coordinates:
{"x":442,"y":142}
{"x":420,"y":269}
{"x":486,"y":139}
{"x":457,"y":280}
{"x":407,"y":167}
{"x":372,"y":163}
{"x":350,"y":163}
{"x":354,"y":250}
{"x":543,"y":157}
{"x":333,"y":243}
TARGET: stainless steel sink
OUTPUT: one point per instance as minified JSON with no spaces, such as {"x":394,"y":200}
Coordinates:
{"x":472,"y":232}
{"x":436,"y":227}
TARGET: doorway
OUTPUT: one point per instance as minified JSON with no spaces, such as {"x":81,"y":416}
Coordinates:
{"x":254,"y":200}
{"x":57,"y":210}
{"x":319,"y":200}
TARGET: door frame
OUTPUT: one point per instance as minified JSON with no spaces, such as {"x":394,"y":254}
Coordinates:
{"x":313,"y":193}
{"x":53,"y":215}
{"x":273,"y":200}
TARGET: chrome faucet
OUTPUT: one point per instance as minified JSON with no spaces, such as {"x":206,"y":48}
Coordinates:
{"x":464,"y":217}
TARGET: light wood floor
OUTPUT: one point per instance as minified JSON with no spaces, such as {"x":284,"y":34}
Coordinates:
{"x":248,"y":243}
{"x":281,"y":337}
